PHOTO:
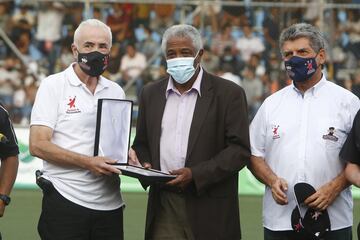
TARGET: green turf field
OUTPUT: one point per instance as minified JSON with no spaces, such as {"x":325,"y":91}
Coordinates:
{"x":21,"y":216}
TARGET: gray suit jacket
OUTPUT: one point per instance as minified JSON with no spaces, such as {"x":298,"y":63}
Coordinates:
{"x":218,"y":148}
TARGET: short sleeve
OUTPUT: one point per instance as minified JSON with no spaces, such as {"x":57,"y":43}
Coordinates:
{"x":8,"y":141}
{"x":258,"y":133}
{"x":350,"y":151}
{"x":45,"y":109}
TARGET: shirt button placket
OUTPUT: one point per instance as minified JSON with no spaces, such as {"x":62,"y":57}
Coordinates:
{"x":303,"y":136}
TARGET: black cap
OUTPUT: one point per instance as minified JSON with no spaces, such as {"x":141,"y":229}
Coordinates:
{"x":314,"y":224}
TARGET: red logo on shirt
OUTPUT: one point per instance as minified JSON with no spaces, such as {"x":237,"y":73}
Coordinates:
{"x":72,"y":108}
{"x":275,"y":129}
{"x":72,"y":102}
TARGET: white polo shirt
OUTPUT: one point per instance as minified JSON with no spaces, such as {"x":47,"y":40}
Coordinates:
{"x":294,"y":134}
{"x":64,"y":104}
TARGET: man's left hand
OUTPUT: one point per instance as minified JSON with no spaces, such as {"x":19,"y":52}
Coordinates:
{"x":184,"y":177}
{"x":323,"y":197}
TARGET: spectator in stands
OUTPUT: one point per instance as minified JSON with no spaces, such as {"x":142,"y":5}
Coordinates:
{"x":81,"y":193}
{"x":27,"y":47}
{"x":210,"y":61}
{"x":66,"y":57}
{"x":256,"y":64}
{"x":229,"y":57}
{"x":9,"y":159}
{"x":164,"y":17}
{"x":74,"y":12}
{"x":142,"y":14}
{"x":271,"y":29}
{"x":97,"y":14}
{"x":249,"y":44}
{"x":31,"y":87}
{"x":223,"y":40}
{"x":254,"y":90}
{"x":5,"y":18}
{"x":296,"y":136}
{"x":19,"y":98}
{"x":4,"y":25}
{"x":226,"y":71}
{"x":23,"y":20}
{"x":22,"y":23}
{"x":120,"y":22}
{"x":9,"y":80}
{"x":48,"y":33}
{"x":113,"y":69}
{"x":352,"y":27}
{"x":176,"y":133}
{"x":147,"y":45}
{"x":132,"y":65}
{"x":230,"y":13}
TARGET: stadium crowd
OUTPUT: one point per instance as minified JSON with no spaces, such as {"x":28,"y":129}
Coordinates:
{"x":241,"y":44}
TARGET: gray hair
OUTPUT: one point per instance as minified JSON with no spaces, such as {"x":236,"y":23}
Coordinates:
{"x":303,"y":30}
{"x":182,"y":31}
{"x":91,"y":23}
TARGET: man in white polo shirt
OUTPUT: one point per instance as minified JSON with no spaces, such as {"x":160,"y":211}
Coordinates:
{"x":296,"y":137}
{"x":82,"y":197}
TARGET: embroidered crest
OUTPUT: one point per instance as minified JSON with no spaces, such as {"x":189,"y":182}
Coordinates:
{"x":331,"y":135}
{"x":275,"y":129}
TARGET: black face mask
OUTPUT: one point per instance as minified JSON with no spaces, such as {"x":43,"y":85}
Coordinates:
{"x":93,"y":63}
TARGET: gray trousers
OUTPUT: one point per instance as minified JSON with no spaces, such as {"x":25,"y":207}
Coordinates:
{"x":171,"y":220}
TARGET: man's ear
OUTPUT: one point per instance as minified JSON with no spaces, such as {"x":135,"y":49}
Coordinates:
{"x":199,"y":56}
{"x":201,"y":52}
{"x":74,"y":50}
{"x":322,"y":57}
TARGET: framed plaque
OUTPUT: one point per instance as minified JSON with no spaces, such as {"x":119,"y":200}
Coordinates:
{"x":112,"y":139}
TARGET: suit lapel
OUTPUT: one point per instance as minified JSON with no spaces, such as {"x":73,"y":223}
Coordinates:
{"x":200,"y":112}
{"x":157,"y":114}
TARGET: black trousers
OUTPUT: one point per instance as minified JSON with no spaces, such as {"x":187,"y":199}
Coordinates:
{"x":341,"y":234}
{"x":62,"y":219}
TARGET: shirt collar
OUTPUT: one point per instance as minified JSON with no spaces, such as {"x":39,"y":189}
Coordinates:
{"x":196,"y":85}
{"x":75,"y":81}
{"x":314,"y":89}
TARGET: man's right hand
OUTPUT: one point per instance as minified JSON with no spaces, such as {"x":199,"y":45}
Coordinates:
{"x":101,"y":166}
{"x":278,"y":189}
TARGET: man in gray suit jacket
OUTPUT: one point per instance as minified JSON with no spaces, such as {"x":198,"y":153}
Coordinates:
{"x":193,"y":125}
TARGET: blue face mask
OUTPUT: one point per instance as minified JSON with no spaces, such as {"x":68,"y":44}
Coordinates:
{"x":300,"y":69}
{"x":181,"y":69}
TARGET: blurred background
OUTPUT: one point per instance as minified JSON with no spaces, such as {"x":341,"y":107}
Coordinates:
{"x":241,"y":45}
{"x":240,"y":39}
